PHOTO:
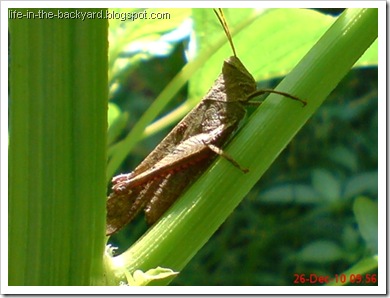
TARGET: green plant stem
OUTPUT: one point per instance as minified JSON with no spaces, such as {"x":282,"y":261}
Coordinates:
{"x":187,"y":226}
{"x":57,"y":149}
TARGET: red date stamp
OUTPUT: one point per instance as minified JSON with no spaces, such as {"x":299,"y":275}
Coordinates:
{"x":358,"y":279}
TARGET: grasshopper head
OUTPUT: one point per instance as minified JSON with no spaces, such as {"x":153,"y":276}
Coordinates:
{"x":239,"y":83}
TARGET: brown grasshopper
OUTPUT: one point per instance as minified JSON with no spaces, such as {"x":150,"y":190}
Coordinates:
{"x":189,"y":149}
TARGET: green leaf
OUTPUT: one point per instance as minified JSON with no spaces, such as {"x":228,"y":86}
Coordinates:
{"x":140,"y":278}
{"x":362,"y":183}
{"x":260,"y":41}
{"x":366,"y":213}
{"x":320,"y":252}
{"x":345,"y":157}
{"x":326,"y":184}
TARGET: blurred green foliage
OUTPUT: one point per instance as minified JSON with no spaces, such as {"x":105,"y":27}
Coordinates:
{"x":307,"y":214}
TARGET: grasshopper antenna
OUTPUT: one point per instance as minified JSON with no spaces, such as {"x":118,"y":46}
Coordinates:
{"x":222,"y":20}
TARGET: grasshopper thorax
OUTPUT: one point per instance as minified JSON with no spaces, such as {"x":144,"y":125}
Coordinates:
{"x":239,"y":83}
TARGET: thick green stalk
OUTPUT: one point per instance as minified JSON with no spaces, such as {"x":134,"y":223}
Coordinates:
{"x":57,"y":149}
